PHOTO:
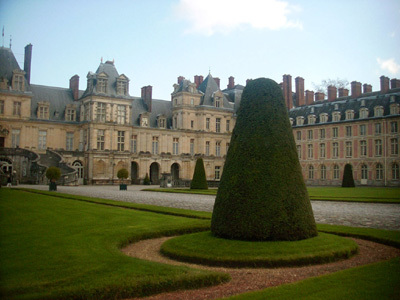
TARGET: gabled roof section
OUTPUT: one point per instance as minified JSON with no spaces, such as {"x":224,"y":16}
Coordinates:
{"x":209,"y":88}
{"x":8,"y":64}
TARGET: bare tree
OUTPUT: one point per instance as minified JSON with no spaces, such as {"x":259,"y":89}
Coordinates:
{"x":323,"y":86}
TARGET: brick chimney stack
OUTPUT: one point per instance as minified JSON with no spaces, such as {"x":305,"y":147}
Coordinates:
{"x":367,"y":88}
{"x":287,"y":91}
{"x":395,"y":83}
{"x":180,"y":79}
{"x":300,"y":91}
{"x":343,"y":92}
{"x":384,"y":84}
{"x":28,"y":62}
{"x":147,"y":92}
{"x":319,"y":96}
{"x":198,"y":79}
{"x":74,"y":86}
{"x":355,"y":89}
{"x":218,"y":81}
{"x":309,"y":97}
{"x":231,"y":83}
{"x":332,"y":93}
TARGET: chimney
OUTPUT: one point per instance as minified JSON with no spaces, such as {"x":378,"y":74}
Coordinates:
{"x":367,"y":88}
{"x":343,"y":92}
{"x":218,"y":81}
{"x":27,"y":62}
{"x":198,"y":80}
{"x":287,"y":91}
{"x":319,"y":96}
{"x":395,"y":83}
{"x":231,"y":83}
{"x":74,"y":86}
{"x":147,"y":96}
{"x":384,"y":84}
{"x":332,"y":93}
{"x":300,"y":91}
{"x":180,"y":79}
{"x":309,"y":97}
{"x":355,"y":89}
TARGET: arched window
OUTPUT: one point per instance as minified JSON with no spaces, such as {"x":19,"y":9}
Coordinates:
{"x":310,"y":172}
{"x":379,"y":171}
{"x":395,"y":171}
{"x":364,"y":172}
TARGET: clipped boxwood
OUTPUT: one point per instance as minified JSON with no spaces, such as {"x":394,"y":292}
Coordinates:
{"x":262,"y":194}
{"x":199,"y":181}
{"x":348,"y":180}
{"x":53,"y":174}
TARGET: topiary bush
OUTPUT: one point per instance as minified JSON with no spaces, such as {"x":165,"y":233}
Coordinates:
{"x":199,"y":181}
{"x":262,"y":195}
{"x":348,"y":180}
{"x":146,"y":180}
{"x":53,"y":174}
{"x":122,"y":174}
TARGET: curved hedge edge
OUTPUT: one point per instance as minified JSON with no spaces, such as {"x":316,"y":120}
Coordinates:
{"x":304,"y":261}
{"x":107,"y":202}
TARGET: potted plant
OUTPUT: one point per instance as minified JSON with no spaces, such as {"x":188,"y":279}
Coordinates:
{"x":53,"y":174}
{"x":122,"y":174}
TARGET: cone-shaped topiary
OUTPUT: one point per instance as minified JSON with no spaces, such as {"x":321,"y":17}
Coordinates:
{"x":262,"y":195}
{"x":348,"y":180}
{"x":199,"y":180}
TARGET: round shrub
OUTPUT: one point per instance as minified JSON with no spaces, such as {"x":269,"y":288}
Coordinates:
{"x":348,"y":180}
{"x":199,"y":181}
{"x":53,"y":173}
{"x":122,"y":173}
{"x":262,"y":195}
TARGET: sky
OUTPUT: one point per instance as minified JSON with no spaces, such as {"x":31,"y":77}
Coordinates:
{"x":153,"y":42}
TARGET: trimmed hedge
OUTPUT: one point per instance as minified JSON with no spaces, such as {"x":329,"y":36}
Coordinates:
{"x":199,"y":181}
{"x":348,"y":180}
{"x":262,"y":195}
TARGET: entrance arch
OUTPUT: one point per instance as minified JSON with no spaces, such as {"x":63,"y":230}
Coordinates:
{"x":77,"y":165}
{"x":175,"y":171}
{"x":134,"y":172}
{"x":155,"y":173}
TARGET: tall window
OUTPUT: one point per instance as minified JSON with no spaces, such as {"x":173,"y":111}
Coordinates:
{"x":363,"y":113}
{"x":101,"y":112}
{"x":70,"y":114}
{"x":311,"y":119}
{"x":322,"y":151}
{"x":155,"y":145}
{"x":207,"y":148}
{"x":323,"y":118}
{"x":17,"y":108}
{"x":335,"y":150}
{"x":192,"y":147}
{"x":349,"y":114}
{"x":15,"y":138}
{"x":395,"y":171}
{"x":100,"y":139}
{"x":228,"y":125}
{"x":394,"y":146}
{"x":394,"y":108}
{"x":191,"y":124}
{"x":310,"y":172}
{"x":378,"y":111}
{"x":217,"y":125}
{"x":18,"y":82}
{"x":217,"y":172}
{"x":300,"y":121}
{"x":175,"y":146}
{"x":134,"y":144}
{"x":121,"y":114}
{"x":43,"y":112}
{"x":101,"y":85}
{"x":323,"y":172}
{"x":363,"y":130}
{"x":378,"y":147}
{"x":335,"y":132}
{"x":42,"y":145}
{"x":336,"y":172}
{"x":310,"y":134}
{"x":364,"y":172}
{"x":310,"y":151}
{"x":298,"y":147}
{"x":363,"y":148}
{"x":208,"y":123}
{"x":218,"y":149}
{"x":121,"y":141}
{"x":70,"y":141}
{"x":122,"y":87}
{"x":393,"y":127}
{"x":336,"y":116}
{"x":298,"y":135}
{"x":349,"y":149}
{"x":322,"y":133}
{"x":1,"y":107}
{"x":87,"y":112}
{"x":348,"y":131}
{"x":379,"y":171}
{"x":378,"y":128}
{"x":217,"y":101}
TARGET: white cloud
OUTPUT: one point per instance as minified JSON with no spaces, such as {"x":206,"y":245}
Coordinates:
{"x":211,"y":16}
{"x":389,"y":65}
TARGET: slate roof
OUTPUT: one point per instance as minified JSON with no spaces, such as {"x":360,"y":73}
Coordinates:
{"x":8,"y":64}
{"x":208,"y":87}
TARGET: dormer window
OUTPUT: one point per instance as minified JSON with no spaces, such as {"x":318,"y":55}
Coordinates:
{"x":122,"y":86}
{"x":336,"y":116}
{"x":144,"y":120}
{"x":378,"y":111}
{"x":363,"y":102}
{"x":43,"y":110}
{"x":300,"y":121}
{"x":291,"y":121}
{"x":162,"y":122}
{"x":363,"y":113}
{"x":70,"y":113}
{"x":394,"y":109}
{"x":101,"y":86}
{"x":217,"y":101}
{"x":18,"y":81}
{"x":336,"y":106}
{"x":349,"y":114}
{"x":323,"y":118}
{"x":311,"y":119}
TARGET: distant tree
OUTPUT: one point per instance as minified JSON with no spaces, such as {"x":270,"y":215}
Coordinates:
{"x":146,"y":180}
{"x":348,"y":180}
{"x":199,"y":180}
{"x":323,"y":86}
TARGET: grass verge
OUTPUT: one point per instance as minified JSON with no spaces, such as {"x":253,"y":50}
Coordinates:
{"x":204,"y":248}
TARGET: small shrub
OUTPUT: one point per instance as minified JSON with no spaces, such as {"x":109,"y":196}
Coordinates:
{"x":199,"y":181}
{"x":53,"y":174}
{"x":348,"y":180}
{"x":146,"y":180}
{"x":122,"y":174}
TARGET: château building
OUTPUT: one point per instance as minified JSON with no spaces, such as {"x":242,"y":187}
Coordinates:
{"x":92,"y":133}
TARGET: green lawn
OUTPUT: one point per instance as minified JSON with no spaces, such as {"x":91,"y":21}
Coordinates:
{"x":361,"y":194}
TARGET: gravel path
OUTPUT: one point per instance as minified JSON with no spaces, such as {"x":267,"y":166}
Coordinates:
{"x":372,"y":215}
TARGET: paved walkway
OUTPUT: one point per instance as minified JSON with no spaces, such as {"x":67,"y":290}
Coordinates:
{"x":383,"y":216}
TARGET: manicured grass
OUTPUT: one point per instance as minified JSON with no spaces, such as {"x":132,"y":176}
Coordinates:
{"x":204,"y":248}
{"x":57,"y":248}
{"x":361,"y":194}
{"x":370,"y":282}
